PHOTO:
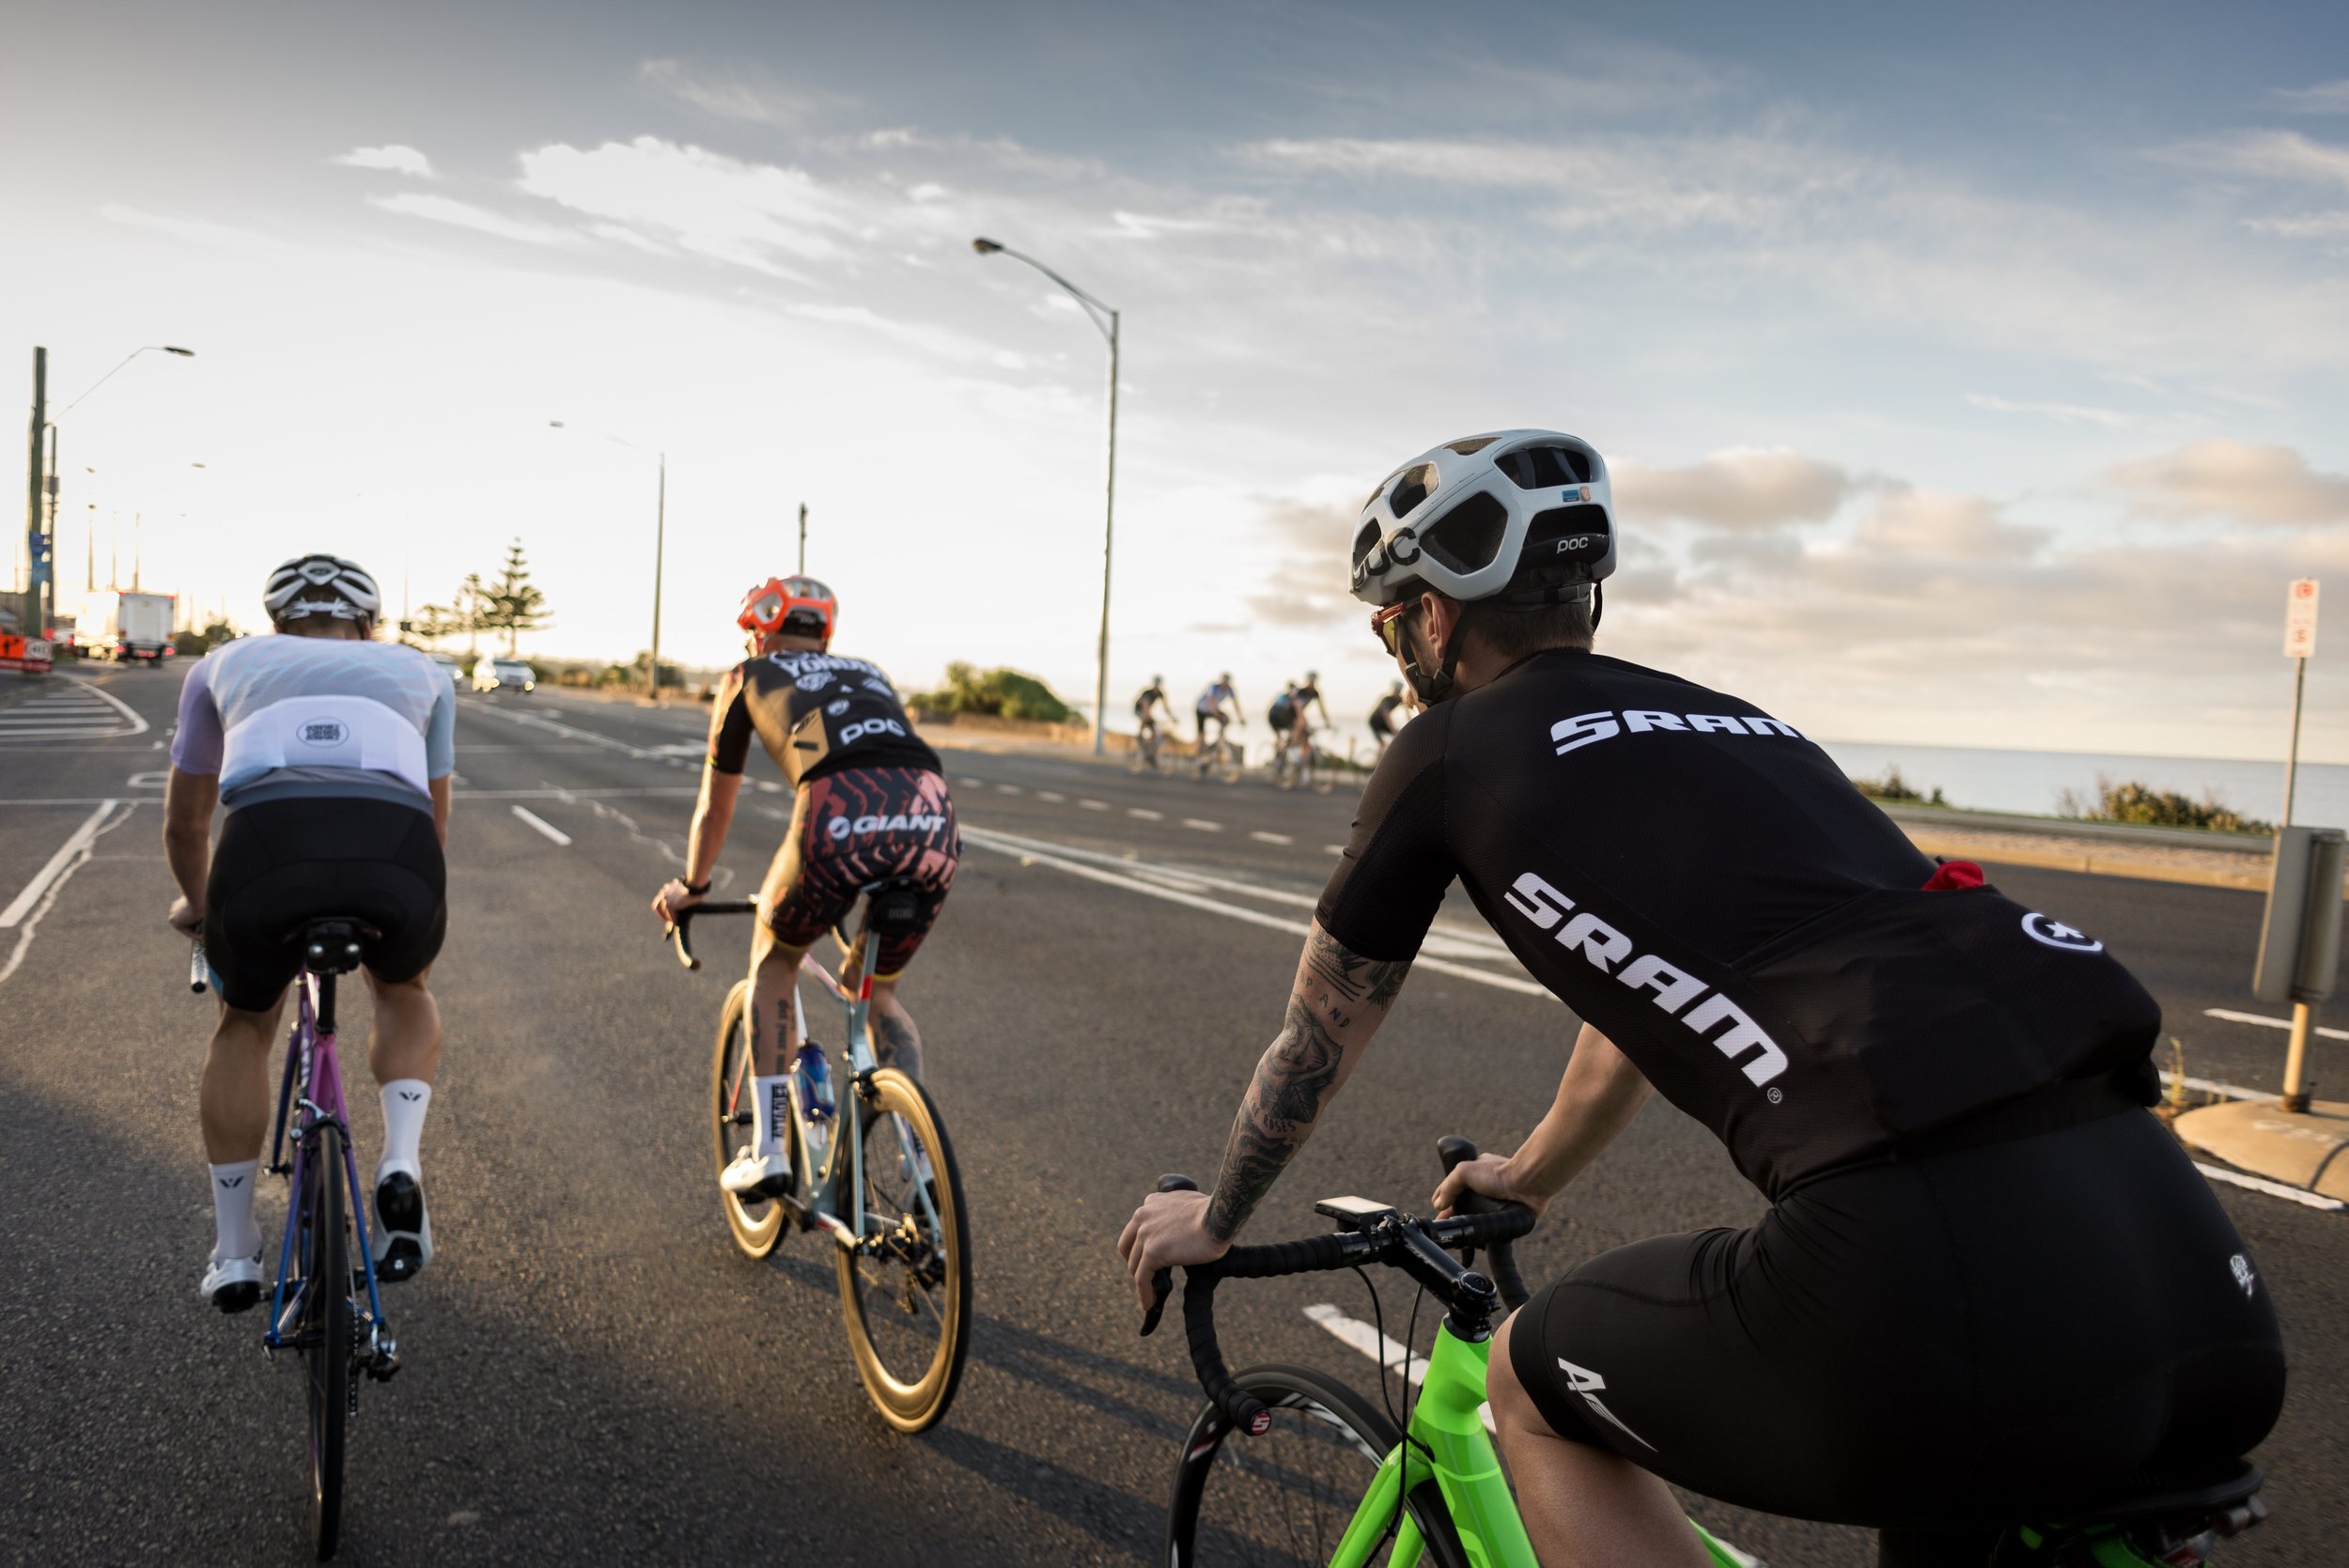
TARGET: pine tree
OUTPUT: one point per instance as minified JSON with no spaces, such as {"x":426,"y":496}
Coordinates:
{"x":516,"y":604}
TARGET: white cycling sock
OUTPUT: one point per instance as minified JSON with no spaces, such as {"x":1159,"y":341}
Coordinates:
{"x":235,"y":1235}
{"x":768,"y":1106}
{"x":405,"y":1101}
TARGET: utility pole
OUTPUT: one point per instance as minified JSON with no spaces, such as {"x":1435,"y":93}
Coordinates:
{"x":802,"y":538}
{"x":2299,"y":643}
{"x":660,"y":552}
{"x":36,"y":475}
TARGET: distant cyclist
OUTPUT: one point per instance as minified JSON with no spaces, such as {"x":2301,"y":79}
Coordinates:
{"x":1989,"y":1289}
{"x":1218,"y":705}
{"x":1147,"y":702}
{"x":1291,"y":720}
{"x":331,"y":754}
{"x":1382,"y":718}
{"x":869,"y":804}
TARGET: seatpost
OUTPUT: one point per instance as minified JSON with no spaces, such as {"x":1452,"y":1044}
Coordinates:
{"x":326,"y":1002}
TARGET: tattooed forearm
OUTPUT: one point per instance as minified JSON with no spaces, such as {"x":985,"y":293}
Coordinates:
{"x":1350,"y":979}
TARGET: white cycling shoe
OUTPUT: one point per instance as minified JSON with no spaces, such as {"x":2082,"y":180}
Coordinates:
{"x":403,"y":1228}
{"x":233,"y":1284}
{"x":755,"y":1175}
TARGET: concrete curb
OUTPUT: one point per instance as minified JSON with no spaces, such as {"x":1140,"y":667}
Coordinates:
{"x":2301,"y":1149}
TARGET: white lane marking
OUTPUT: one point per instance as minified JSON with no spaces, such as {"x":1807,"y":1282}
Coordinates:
{"x":147,"y":781}
{"x":1146,"y":814}
{"x":1094,"y":805}
{"x":75,"y":844}
{"x":534,"y":722}
{"x":769,"y":787}
{"x":1334,"y":848}
{"x":1056,"y":797}
{"x":771,"y":814}
{"x":88,"y":835}
{"x":542,"y":825}
{"x":1008,"y":789}
{"x":971,"y":783}
{"x":2210,"y":1086}
{"x":1005,"y":844}
{"x":138,"y":725}
{"x":1204,"y":827}
{"x":1263,"y":837}
{"x":2273,"y":1190}
{"x":2266,"y":1022}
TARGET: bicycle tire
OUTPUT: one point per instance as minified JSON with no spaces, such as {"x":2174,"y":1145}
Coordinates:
{"x":326,"y":1330}
{"x":757,"y":1223}
{"x":916,"y":1403}
{"x":1354,"y":1428}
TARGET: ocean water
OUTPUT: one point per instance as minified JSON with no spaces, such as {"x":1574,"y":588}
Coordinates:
{"x":2035,"y":780}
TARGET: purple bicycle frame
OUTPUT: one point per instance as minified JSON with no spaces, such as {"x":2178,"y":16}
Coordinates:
{"x":312,"y":1065}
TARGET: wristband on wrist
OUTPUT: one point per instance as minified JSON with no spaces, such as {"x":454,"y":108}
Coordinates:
{"x":696,"y":892}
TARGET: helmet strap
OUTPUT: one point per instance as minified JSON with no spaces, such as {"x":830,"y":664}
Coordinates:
{"x":1433,"y":688}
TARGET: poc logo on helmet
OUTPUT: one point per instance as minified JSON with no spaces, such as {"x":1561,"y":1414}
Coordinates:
{"x":323,"y":732}
{"x":2052,"y":933}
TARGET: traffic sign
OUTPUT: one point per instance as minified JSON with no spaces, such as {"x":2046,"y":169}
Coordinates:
{"x":2300,"y":619}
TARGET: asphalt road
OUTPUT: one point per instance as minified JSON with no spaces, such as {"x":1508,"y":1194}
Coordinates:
{"x":593,"y":1372}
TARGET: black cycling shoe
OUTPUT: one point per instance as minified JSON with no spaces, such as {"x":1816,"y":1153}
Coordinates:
{"x":403,"y":1231}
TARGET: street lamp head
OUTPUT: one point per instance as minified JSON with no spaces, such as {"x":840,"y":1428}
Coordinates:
{"x":986,"y":247}
{"x":555,"y":425}
{"x":183,"y":353}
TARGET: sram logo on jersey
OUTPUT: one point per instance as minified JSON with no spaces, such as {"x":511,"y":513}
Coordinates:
{"x":904,"y":822}
{"x":1610,"y":952}
{"x":1589,"y":729}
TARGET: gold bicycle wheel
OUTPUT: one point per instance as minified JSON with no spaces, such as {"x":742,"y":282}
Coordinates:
{"x":905,"y":1294}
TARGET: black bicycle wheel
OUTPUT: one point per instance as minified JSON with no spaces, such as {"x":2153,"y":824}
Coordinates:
{"x":1287,"y":1497}
{"x":906,"y":1295}
{"x":326,"y":1328}
{"x":757,"y":1223}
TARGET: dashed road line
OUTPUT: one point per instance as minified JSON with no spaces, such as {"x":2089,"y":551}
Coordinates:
{"x":1334,"y":848}
{"x":971,"y":783}
{"x":75,"y":842}
{"x":542,"y":825}
{"x":1263,"y":837}
{"x":1094,"y":805}
{"x":1204,"y":826}
{"x":1055,"y":797}
{"x":2266,"y":1022}
{"x":2210,"y":1086}
{"x":1146,"y":814}
{"x":1010,"y":789}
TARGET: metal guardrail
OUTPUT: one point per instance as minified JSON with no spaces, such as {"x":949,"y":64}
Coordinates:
{"x":2259,"y":845}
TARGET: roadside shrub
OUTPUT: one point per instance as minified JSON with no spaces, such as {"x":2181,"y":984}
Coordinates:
{"x":1899,"y":791}
{"x":1005,"y":694}
{"x":2131,"y":801}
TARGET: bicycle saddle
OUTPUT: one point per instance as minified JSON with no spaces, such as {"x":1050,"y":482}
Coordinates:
{"x":2221,"y":1499}
{"x":333,"y":944}
{"x":894,"y":903}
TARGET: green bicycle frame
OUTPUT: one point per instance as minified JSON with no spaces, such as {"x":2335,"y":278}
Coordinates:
{"x":1446,"y":1438}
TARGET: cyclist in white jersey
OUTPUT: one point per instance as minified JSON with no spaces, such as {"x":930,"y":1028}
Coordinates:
{"x":331,"y":754}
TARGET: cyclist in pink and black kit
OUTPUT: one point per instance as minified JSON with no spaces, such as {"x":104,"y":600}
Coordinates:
{"x":870,"y":804}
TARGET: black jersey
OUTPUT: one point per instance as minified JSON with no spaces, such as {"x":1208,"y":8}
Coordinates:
{"x":816,"y":713}
{"x":1151,"y":697}
{"x":1702,"y":884}
{"x":1383,"y":717}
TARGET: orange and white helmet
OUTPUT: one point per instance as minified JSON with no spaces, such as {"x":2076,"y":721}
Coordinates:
{"x":799,"y":606}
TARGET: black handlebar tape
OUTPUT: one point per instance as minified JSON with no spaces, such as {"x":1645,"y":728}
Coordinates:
{"x":1503,"y":1260}
{"x":1162,"y":1283}
{"x":1315,"y":1255}
{"x":681,"y":932}
{"x":1243,"y":1409}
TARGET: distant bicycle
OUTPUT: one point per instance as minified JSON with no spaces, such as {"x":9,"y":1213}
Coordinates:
{"x":1224,"y":760}
{"x":316,"y":1309}
{"x":1292,"y":765}
{"x":1148,"y":746}
{"x":885,"y":1188}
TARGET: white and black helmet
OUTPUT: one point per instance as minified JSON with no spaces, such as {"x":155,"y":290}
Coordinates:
{"x":321,"y":585}
{"x":1467,"y":518}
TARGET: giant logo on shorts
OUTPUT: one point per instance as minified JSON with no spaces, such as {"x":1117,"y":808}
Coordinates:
{"x":322,"y":732}
{"x":904,"y":822}
{"x":2053,"y":933}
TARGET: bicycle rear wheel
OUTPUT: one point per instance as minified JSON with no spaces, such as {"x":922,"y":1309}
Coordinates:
{"x":757,"y":1223}
{"x":906,"y":1294}
{"x":326,"y":1328}
{"x":1287,"y":1497}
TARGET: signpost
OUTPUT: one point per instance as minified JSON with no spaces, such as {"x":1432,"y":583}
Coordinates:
{"x":2299,"y":645}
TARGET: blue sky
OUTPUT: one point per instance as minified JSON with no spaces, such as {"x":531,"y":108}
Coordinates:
{"x":1974,"y":380}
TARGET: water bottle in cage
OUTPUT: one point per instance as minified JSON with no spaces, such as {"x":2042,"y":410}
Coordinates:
{"x":813,"y":1075}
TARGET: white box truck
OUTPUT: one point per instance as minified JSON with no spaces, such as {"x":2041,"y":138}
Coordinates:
{"x":129,"y":627}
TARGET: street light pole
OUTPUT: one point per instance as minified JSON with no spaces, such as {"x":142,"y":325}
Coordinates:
{"x":1105,"y":321}
{"x":660,"y":545}
{"x":35,"y":472}
{"x":42,"y":529}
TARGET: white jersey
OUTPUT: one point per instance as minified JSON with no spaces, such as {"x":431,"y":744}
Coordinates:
{"x":289,"y":716}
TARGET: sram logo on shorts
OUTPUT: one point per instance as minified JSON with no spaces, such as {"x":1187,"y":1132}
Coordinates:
{"x":904,"y":822}
{"x":862,"y":727}
{"x":322,"y":732}
{"x":1589,"y":729}
{"x":1610,"y":952}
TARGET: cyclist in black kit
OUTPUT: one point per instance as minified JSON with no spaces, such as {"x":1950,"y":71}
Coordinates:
{"x":1383,"y":717}
{"x":1990,"y":1285}
{"x":870,"y":803}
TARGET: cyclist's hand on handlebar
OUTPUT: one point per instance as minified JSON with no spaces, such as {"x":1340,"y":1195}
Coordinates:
{"x":1489,"y":1175}
{"x":185,"y":918}
{"x":673,"y":900}
{"x":1168,"y":1230}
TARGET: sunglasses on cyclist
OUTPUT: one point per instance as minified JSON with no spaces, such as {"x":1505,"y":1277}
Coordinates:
{"x":765,"y":610}
{"x":1387,"y":622}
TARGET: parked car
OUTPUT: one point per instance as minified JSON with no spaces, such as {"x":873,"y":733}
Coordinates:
{"x":456,"y":671}
{"x":504,"y":675}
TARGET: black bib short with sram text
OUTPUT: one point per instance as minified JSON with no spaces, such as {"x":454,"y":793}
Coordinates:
{"x":870,"y":802}
{"x":1990,"y":1284}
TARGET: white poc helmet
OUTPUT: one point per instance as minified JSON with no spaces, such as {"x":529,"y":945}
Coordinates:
{"x":1466,"y":518}
{"x":321,"y":585}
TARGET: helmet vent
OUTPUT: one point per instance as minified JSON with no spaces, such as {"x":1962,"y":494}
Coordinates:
{"x":1365,"y":541}
{"x":1413,"y":486}
{"x":1466,"y":538}
{"x":1541,"y":468}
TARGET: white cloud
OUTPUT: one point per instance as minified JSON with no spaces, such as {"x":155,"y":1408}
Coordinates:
{"x":1740,"y":488}
{"x":2326,"y":98}
{"x":737,"y":95}
{"x":2067,"y":413}
{"x":2271,"y":484}
{"x":2280,"y":155}
{"x":744,"y":213}
{"x":393,"y":158}
{"x":447,"y":209}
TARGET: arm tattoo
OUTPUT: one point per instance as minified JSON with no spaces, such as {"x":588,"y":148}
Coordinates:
{"x":897,"y":1045}
{"x":1298,"y":1073}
